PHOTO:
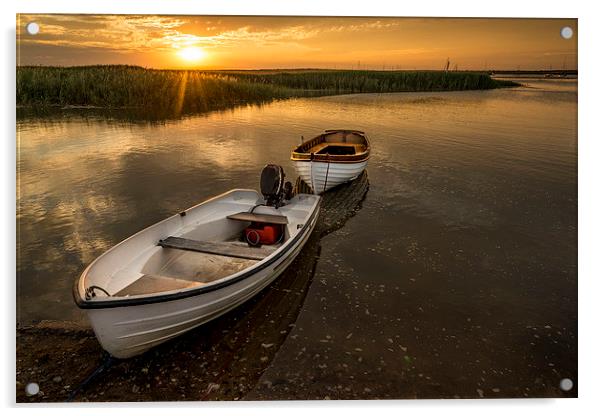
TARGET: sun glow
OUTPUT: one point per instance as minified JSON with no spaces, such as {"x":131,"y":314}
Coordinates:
{"x":192,"y":54}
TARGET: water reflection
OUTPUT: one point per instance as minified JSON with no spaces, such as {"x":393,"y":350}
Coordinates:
{"x":85,"y":184}
{"x":464,"y":250}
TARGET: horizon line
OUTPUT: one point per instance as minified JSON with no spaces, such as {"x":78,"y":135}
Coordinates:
{"x":301,"y":68}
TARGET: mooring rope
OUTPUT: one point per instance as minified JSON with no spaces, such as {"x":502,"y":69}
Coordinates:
{"x":311,"y":174}
{"x":106,"y":363}
{"x":326,"y":179}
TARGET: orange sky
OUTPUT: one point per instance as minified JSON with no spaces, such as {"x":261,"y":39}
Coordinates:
{"x":232,"y":42}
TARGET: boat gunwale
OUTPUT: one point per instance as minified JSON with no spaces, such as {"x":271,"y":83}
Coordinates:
{"x":300,"y":156}
{"x":329,"y":158}
{"x":194,"y":291}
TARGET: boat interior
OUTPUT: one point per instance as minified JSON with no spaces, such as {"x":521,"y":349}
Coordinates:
{"x":188,"y":261}
{"x":205,"y":244}
{"x":334,"y":143}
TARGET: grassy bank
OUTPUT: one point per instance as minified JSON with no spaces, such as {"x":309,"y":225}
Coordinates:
{"x":171,"y":93}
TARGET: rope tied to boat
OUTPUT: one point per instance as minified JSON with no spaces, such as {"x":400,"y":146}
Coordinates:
{"x":327,"y":170}
{"x":107,"y":361}
{"x":311,"y":173}
{"x":91,"y":294}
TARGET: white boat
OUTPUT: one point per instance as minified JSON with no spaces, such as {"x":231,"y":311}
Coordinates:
{"x":192,"y":267}
{"x":332,"y":158}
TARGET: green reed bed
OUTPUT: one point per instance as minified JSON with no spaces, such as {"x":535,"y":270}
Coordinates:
{"x":169,"y":93}
{"x":374,"y":81}
{"x":160,"y":92}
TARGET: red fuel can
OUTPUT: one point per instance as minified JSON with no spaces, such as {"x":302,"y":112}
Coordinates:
{"x":257,"y":234}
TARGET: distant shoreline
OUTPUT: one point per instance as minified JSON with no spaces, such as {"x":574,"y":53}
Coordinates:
{"x":164,"y":94}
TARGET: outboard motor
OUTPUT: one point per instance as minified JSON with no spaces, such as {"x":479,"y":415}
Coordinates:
{"x":273,"y":187}
{"x":274,"y":191}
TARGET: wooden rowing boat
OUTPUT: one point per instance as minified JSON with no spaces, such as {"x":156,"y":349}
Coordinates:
{"x":332,"y":158}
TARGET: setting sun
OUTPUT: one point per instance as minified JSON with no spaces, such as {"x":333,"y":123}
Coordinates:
{"x":192,"y":54}
{"x":236,"y":42}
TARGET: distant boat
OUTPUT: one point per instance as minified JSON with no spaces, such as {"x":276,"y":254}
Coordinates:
{"x":332,"y":158}
{"x":194,"y":266}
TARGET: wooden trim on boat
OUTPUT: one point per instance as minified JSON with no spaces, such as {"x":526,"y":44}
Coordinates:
{"x":346,"y":131}
{"x":301,"y":153}
{"x":297,"y":157}
{"x":260,"y":218}
{"x":116,"y":303}
{"x":220,"y":249}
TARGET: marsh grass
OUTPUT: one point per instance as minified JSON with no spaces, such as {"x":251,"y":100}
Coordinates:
{"x":172,"y":93}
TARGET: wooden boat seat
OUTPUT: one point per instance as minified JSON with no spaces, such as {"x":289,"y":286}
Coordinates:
{"x":260,"y":218}
{"x":148,"y":284}
{"x":227,"y":249}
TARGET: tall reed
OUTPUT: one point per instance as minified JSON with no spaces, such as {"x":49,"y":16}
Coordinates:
{"x":171,"y":93}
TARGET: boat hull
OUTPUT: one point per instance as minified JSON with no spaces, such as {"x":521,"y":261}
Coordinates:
{"x":131,"y":330}
{"x":322,"y":176}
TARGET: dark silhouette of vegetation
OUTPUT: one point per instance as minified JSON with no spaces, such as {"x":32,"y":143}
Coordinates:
{"x":172,"y":93}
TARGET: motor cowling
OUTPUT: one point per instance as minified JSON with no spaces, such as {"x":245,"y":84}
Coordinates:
{"x":273,"y":187}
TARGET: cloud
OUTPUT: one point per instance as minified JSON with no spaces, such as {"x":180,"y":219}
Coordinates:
{"x":140,"y":33}
{"x":261,"y":41}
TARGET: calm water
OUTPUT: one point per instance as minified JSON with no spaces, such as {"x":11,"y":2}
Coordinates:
{"x":458,"y":275}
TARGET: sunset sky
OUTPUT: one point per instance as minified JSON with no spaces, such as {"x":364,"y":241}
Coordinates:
{"x":232,"y":42}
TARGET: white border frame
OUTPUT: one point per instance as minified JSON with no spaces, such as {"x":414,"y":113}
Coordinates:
{"x":590,"y":207}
